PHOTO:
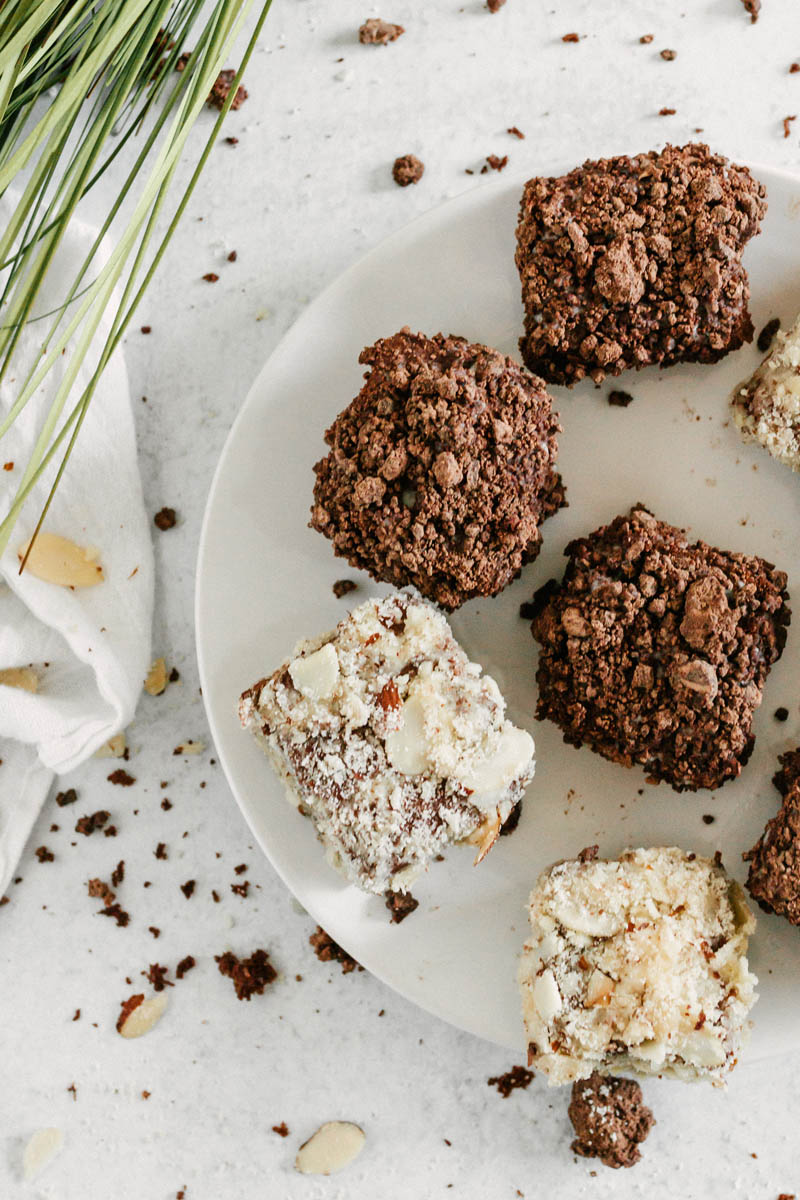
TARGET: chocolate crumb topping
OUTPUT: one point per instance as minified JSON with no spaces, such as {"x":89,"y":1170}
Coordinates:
{"x":327,"y":950}
{"x":250,"y":976}
{"x":517,"y":1077}
{"x":610,"y":1119}
{"x":400,"y":905}
{"x":774,"y":876}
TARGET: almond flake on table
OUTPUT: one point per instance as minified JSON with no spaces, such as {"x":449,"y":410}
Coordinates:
{"x":333,"y":1147}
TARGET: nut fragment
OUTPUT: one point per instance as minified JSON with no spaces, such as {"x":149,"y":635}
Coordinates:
{"x":142,"y":1016}
{"x":42,"y":1147}
{"x":115,"y":747}
{"x":190,"y":747}
{"x":156,"y":680}
{"x":24,"y":678}
{"x":485,"y":836}
{"x":56,"y":559}
{"x":332,"y":1147}
{"x":599,"y":988}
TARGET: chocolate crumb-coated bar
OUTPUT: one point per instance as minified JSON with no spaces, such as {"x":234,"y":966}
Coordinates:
{"x":655,"y":650}
{"x":442,"y":470}
{"x":628,"y":262}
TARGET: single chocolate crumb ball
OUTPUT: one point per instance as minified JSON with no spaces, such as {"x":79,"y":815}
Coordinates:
{"x":627,"y":262}
{"x":609,"y":1119}
{"x":441,"y":470}
{"x":407,"y":169}
{"x":774,"y":877}
{"x":656,"y":651}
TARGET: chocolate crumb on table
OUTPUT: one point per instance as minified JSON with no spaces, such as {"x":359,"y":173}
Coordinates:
{"x":211,"y":277}
{"x":282,"y":1130}
{"x":441,"y":470}
{"x":222,"y":86}
{"x":118,"y":874}
{"x":376,"y":32}
{"x":100,"y":890}
{"x":121,"y":778}
{"x":646,"y":39}
{"x":635,"y":261}
{"x":571,"y":37}
{"x":87,"y":825}
{"x":157,"y":976}
{"x":400,"y":905}
{"x":343,"y":587}
{"x":67,"y":797}
{"x":781,"y":714}
{"x":495,"y":162}
{"x":250,"y":976}
{"x":44,"y":855}
{"x":165,"y":518}
{"x":517,"y":133}
{"x":327,"y":950}
{"x":160,"y":851}
{"x":610,"y":1119}
{"x":241,"y":889}
{"x":767,"y":336}
{"x":494,"y":5}
{"x":667,"y":112}
{"x":407,"y":169}
{"x":708,"y":819}
{"x":618,"y":399}
{"x":774,"y":876}
{"x":184,"y":966}
{"x":517,"y":1077}
{"x":116,"y":912}
{"x":753,"y":7}
{"x":656,"y":651}
{"x":787,"y":122}
{"x":188,"y":888}
{"x":668,"y":55}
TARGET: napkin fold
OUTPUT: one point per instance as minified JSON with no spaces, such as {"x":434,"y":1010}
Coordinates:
{"x":89,"y":648}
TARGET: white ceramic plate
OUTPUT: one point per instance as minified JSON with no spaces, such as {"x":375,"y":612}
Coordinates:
{"x":264,"y":580}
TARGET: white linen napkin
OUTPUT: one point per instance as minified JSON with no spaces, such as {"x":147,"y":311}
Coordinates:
{"x":90,"y":648}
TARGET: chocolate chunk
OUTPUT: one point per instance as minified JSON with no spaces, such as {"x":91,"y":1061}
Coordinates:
{"x":781,"y":714}
{"x":442,"y":469}
{"x":67,"y":797}
{"x":376,"y":32}
{"x":165,"y":518}
{"x":407,"y":169}
{"x":655,"y":651}
{"x":517,"y":1077}
{"x":627,"y":262}
{"x":620,"y":399}
{"x":767,"y":335}
{"x":610,"y":1119}
{"x":87,"y":825}
{"x":343,"y":587}
{"x":327,"y":950}
{"x":400,"y":905}
{"x":251,"y":976}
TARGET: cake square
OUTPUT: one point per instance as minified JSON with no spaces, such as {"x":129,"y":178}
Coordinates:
{"x":637,"y":964}
{"x":766,"y":407}
{"x":626,"y":262}
{"x":655,"y":651}
{"x":441,"y":470}
{"x":774,"y":876}
{"x":392,"y":742}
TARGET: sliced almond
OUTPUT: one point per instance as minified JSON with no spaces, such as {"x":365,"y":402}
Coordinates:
{"x":115,"y":747}
{"x":56,"y":559}
{"x":143,"y":1016}
{"x":156,"y":679}
{"x":40,"y":1151}
{"x":190,"y":747}
{"x":332,"y":1147}
{"x":485,"y":836}
{"x":599,"y":989}
{"x":20,"y":677}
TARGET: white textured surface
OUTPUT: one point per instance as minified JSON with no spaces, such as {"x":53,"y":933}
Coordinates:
{"x":303,"y":194}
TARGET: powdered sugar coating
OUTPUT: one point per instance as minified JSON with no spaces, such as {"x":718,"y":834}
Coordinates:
{"x":638,"y":964}
{"x":391,"y":740}
{"x":767,"y":407}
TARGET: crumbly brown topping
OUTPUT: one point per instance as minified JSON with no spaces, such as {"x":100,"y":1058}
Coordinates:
{"x":400,"y":905}
{"x":157,"y":976}
{"x":517,"y":1077}
{"x":441,"y":470}
{"x":121,"y":778}
{"x":610,"y":1119}
{"x":87,"y":825}
{"x":250,"y":975}
{"x":184,"y":966}
{"x":67,"y":797}
{"x":376,"y":32}
{"x":656,"y":651}
{"x":327,"y":950}
{"x":626,"y":262}
{"x":44,"y":855}
{"x":774,"y":876}
{"x":165,"y":518}
{"x":343,"y":587}
{"x":407,"y":169}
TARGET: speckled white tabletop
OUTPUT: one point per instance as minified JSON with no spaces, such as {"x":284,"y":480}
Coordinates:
{"x":303,"y":194}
